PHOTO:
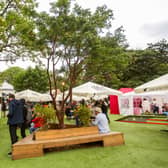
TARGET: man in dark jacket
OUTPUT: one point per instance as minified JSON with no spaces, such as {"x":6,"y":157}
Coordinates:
{"x":104,"y":108}
{"x":24,"y":124}
{"x":15,"y":117}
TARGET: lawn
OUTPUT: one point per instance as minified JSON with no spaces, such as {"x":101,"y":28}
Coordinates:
{"x":146,"y":146}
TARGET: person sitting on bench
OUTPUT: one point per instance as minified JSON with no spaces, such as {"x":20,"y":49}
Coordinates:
{"x":36,"y":123}
{"x":101,"y":121}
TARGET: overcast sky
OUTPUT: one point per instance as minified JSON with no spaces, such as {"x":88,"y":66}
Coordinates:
{"x":144,"y":21}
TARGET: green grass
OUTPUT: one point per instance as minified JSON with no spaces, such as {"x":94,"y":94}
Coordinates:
{"x":145,"y":147}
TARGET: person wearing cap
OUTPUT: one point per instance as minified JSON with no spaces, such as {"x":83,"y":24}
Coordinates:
{"x":101,"y":121}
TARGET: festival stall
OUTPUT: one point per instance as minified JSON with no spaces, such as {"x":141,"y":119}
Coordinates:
{"x":96,"y":91}
{"x":132,"y":102}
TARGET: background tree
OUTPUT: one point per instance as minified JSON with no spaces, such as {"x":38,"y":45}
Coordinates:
{"x":147,"y":64}
{"x":10,"y":74}
{"x":33,"y":79}
{"x":107,"y":64}
{"x":161,"y":51}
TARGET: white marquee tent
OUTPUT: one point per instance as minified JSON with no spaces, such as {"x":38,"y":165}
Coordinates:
{"x":91,"y":89}
{"x":74,"y":97}
{"x":32,"y":96}
{"x":45,"y":97}
{"x":6,"y":88}
{"x":157,"y":84}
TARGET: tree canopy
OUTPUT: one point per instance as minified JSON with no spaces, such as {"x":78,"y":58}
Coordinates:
{"x":33,"y":79}
{"x":147,"y":64}
{"x":10,"y":74}
{"x":16,"y":20}
{"x":108,"y":62}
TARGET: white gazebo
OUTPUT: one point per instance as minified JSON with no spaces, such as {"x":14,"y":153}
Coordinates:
{"x":6,"y":88}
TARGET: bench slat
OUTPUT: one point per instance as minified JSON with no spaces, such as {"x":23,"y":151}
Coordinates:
{"x":63,"y":133}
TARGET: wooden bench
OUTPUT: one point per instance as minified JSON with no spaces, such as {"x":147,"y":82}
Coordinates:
{"x":34,"y":144}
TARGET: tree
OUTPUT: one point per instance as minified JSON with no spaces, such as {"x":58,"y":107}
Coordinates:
{"x":34,"y":79}
{"x":147,"y":64}
{"x":16,"y":20}
{"x":106,"y":65}
{"x":10,"y":74}
{"x":161,"y":50}
{"x":68,"y":35}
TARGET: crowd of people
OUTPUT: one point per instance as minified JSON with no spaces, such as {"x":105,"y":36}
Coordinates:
{"x":103,"y":104}
{"x":153,"y":107}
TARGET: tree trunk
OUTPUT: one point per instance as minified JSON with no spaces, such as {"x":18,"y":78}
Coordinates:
{"x":61,"y":122}
{"x":60,"y":116}
{"x":70,"y":94}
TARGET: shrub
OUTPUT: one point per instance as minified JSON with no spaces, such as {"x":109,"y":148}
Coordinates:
{"x":83,"y":113}
{"x":48,"y":113}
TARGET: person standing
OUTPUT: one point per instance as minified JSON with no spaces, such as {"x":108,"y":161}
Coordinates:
{"x":146,"y":106}
{"x":3,"y":107}
{"x":24,"y":124}
{"x":30,"y":110}
{"x":104,"y":108}
{"x":155,"y":106}
{"x":15,"y":118}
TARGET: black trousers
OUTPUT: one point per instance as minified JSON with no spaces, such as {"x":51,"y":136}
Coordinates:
{"x":12,"y":131}
{"x":23,"y":129}
{"x":107,"y":116}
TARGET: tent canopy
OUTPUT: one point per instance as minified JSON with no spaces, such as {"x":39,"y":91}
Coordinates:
{"x":6,"y":88}
{"x":91,"y":89}
{"x":160,"y":83}
{"x":32,"y":96}
{"x":151,"y":93}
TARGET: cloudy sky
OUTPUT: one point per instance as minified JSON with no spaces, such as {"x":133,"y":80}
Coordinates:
{"x":144,"y":21}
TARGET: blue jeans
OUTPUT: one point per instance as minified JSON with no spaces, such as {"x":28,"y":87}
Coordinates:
{"x":32,"y":129}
